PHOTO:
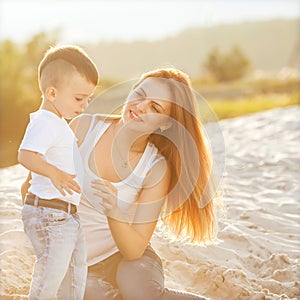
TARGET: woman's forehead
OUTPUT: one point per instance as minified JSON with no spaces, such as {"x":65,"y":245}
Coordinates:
{"x":155,"y":88}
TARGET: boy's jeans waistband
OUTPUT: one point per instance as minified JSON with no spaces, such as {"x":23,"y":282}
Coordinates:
{"x":32,"y":199}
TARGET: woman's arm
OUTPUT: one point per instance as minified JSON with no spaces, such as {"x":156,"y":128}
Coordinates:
{"x":80,"y":125}
{"x":132,"y":239}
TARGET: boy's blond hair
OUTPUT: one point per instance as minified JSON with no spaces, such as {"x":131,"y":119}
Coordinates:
{"x":61,"y":61}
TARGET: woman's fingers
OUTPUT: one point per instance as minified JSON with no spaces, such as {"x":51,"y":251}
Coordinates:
{"x":101,"y":189}
{"x":107,"y":194}
{"x":104,"y":186}
{"x":107,"y":202}
{"x":105,"y":198}
{"x":107,"y":206}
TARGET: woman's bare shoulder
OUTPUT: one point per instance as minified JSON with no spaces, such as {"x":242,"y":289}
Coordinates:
{"x":79,"y":120}
{"x":86,"y":119}
{"x":105,"y":117}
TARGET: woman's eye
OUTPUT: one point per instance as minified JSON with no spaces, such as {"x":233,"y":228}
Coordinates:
{"x":78,"y":99}
{"x":155,"y":108}
{"x":139,"y":95}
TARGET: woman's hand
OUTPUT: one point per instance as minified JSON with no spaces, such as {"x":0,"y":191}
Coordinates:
{"x":133,"y":227}
{"x":108,"y":196}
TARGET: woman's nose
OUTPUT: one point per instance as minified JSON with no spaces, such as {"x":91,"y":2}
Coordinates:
{"x":141,"y":106}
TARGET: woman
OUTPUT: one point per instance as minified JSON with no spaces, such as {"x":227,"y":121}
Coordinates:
{"x":152,"y":162}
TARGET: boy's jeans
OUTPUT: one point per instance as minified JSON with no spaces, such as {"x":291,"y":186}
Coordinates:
{"x":58,"y":241}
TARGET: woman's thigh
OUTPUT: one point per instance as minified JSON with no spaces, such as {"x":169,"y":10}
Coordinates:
{"x":98,"y":288}
{"x":101,"y":280}
{"x":143,"y":279}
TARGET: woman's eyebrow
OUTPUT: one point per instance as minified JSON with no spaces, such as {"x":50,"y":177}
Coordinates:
{"x":143,"y":91}
{"x":153,"y":101}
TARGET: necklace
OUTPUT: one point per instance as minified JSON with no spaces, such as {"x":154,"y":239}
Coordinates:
{"x":125,"y":162}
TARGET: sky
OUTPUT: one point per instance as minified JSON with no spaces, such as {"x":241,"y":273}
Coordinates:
{"x":129,"y":20}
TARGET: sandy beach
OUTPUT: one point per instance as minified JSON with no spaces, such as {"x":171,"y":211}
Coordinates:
{"x":258,"y":254}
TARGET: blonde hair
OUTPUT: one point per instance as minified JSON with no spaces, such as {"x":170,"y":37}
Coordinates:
{"x":61,"y":61}
{"x":189,"y":210}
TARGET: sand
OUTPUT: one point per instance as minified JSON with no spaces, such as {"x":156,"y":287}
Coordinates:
{"x":258,"y":255}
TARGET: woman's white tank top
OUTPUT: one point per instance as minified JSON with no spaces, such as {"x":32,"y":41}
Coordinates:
{"x":99,"y":241}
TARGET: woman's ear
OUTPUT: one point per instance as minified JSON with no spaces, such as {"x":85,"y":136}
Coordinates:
{"x":50,"y":93}
{"x":165,"y":126}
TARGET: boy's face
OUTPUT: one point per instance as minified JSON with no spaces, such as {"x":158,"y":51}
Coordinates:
{"x":72,"y":96}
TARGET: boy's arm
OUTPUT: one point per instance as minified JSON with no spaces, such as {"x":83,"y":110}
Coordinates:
{"x":61,"y":180}
{"x":25,"y":186}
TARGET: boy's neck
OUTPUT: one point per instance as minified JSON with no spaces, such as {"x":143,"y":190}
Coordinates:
{"x":47,"y":105}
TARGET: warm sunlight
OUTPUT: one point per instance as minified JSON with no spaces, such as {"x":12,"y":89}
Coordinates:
{"x":92,"y":21}
{"x":131,"y":131}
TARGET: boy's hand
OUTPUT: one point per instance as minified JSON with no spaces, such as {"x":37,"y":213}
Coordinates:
{"x":64,"y":182}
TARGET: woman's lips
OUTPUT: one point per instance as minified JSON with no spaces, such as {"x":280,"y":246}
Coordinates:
{"x":134,"y":116}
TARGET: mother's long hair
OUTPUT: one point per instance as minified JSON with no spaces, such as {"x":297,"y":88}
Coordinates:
{"x":189,"y":209}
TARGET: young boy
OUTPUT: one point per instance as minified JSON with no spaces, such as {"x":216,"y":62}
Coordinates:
{"x":67,"y":79}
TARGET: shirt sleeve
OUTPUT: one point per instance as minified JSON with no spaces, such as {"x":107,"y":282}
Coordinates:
{"x":40,"y":135}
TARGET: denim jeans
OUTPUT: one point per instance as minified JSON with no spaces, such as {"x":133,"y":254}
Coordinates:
{"x":58,"y":241}
{"x":142,"y":279}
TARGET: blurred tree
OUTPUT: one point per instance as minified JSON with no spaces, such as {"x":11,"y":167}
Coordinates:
{"x":11,"y":77}
{"x":19,"y":93}
{"x":228,"y":66}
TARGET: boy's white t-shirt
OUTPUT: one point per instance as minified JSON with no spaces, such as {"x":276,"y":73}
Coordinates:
{"x":55,"y":141}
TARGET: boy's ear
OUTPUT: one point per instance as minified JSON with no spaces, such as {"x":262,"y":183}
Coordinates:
{"x":50,"y":93}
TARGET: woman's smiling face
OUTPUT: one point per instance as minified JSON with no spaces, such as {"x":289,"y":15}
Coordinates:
{"x":148,"y":106}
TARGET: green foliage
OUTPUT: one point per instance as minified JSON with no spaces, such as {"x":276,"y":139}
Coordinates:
{"x":19,"y":93}
{"x":238,"y":89}
{"x":237,"y":98}
{"x":228,"y":66}
{"x":228,"y":108}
